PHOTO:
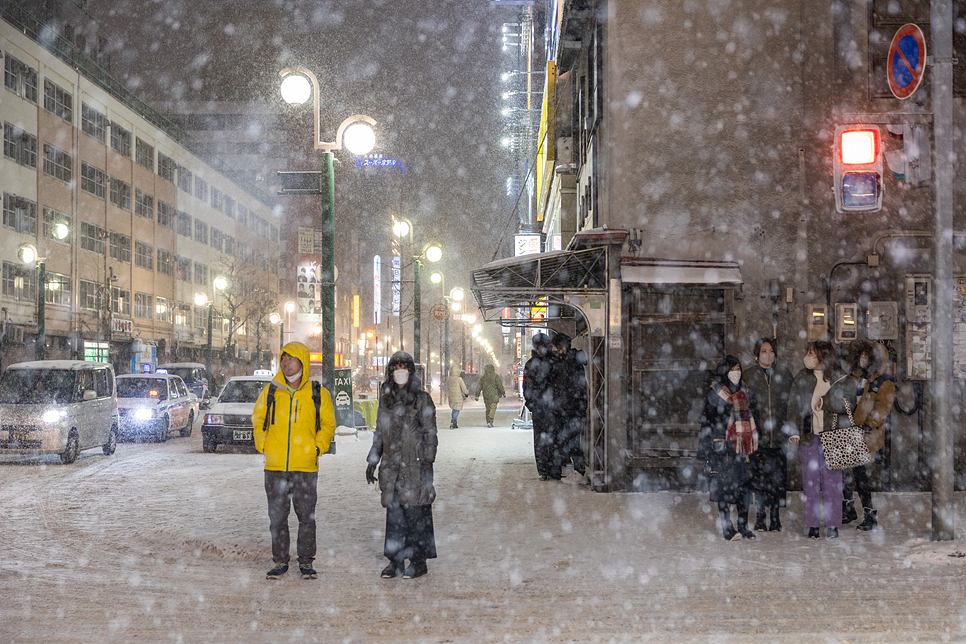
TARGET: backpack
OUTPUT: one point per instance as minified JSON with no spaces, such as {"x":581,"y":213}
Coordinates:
{"x":316,"y":398}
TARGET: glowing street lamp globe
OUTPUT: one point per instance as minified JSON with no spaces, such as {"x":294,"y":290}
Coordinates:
{"x":434,"y":253}
{"x":295,"y":89}
{"x":359,"y":138}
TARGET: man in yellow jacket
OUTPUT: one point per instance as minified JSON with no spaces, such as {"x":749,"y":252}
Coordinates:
{"x":292,"y":435}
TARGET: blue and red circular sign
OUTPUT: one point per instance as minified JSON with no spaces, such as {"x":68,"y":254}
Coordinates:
{"x":907,"y":61}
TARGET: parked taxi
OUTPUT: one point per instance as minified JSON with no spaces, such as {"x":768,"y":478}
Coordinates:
{"x":229,"y":420}
{"x":154,"y":404}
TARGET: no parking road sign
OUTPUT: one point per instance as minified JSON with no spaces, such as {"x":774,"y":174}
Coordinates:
{"x":907,"y":61}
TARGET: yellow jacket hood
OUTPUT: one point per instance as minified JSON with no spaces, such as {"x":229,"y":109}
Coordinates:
{"x":296,"y":350}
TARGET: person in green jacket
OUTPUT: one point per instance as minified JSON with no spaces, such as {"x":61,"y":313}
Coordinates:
{"x":491,"y":387}
{"x":287,"y":432}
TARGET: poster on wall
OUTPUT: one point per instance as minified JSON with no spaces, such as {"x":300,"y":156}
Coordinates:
{"x":309,"y":293}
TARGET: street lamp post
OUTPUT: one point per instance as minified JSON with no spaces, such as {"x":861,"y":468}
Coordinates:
{"x":432,"y":252}
{"x":201,"y":299}
{"x":298,"y":83}
{"x":28,"y":254}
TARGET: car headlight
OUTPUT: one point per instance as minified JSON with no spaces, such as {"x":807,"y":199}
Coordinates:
{"x":54,"y":415}
{"x":214,"y":419}
{"x":145,"y":414}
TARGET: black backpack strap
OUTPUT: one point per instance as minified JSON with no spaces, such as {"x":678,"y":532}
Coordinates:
{"x":270,"y":408}
{"x":317,"y":399}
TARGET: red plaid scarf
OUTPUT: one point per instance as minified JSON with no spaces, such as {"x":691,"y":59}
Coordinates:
{"x":742,"y":432}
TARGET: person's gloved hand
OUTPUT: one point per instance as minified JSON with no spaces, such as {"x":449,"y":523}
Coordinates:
{"x":370,"y":473}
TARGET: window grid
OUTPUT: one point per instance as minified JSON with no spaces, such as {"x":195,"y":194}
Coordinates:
{"x":120,"y":300}
{"x":19,"y":146}
{"x":166,"y":262}
{"x":120,"y":140}
{"x":58,"y":289}
{"x":216,"y":198}
{"x":19,"y":282}
{"x":92,"y":238}
{"x":93,"y":180}
{"x":229,"y":245}
{"x":184,"y":224}
{"x":184,"y":179}
{"x":19,"y":214}
{"x":242,"y":215}
{"x":201,"y":189}
{"x":57,"y":226}
{"x":89,"y":295}
{"x":93,"y":123}
{"x":58,"y":164}
{"x":58,"y":101}
{"x":230,"y":207}
{"x":166,"y":214}
{"x":144,"y":154}
{"x":143,"y":204}
{"x":120,"y":247}
{"x":201,"y":231}
{"x":166,"y":167}
{"x":217,"y":240}
{"x":164,"y":308}
{"x":20,"y":78}
{"x":144,"y":306}
{"x":201,"y":274}
{"x":120,"y":194}
{"x":184,"y":269}
{"x":144,"y":255}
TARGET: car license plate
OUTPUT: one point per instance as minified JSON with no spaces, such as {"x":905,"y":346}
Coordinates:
{"x":242,"y":436}
{"x":19,"y":437}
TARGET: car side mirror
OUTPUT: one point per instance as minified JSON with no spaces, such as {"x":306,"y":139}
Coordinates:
{"x":89,"y":395}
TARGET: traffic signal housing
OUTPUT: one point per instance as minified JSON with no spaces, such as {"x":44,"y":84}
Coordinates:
{"x":857,"y":168}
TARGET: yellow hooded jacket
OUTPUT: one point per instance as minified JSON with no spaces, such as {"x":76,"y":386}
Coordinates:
{"x":290,"y":443}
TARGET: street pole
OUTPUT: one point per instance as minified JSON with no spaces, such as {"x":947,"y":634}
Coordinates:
{"x":328,"y":272}
{"x":41,"y":348}
{"x":463,"y":351}
{"x":281,"y":339}
{"x":943,"y":472}
{"x":417,"y":269}
{"x":446,"y":342}
{"x":208,"y":358}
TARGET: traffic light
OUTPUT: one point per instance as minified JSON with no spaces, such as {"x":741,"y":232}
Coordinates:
{"x":857,"y":166}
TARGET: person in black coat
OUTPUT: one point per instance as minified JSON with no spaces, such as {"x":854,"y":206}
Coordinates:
{"x":728,"y":438}
{"x":538,"y":396}
{"x":404,"y":447}
{"x":570,"y":389}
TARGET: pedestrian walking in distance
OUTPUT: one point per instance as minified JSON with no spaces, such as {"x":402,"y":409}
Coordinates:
{"x":293,"y":424}
{"x":457,"y":393}
{"x":491,"y":387}
{"x":728,"y":439}
{"x":404,"y":449}
{"x":538,"y":396}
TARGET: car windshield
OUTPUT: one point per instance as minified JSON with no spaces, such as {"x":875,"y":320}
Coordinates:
{"x":242,"y":391}
{"x":187,"y":373}
{"x":141,"y":388}
{"x":37,"y":386}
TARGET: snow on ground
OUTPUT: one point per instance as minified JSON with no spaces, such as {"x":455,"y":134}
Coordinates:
{"x":164,"y":543}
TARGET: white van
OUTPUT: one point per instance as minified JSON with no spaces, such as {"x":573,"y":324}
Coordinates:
{"x":58,"y":407}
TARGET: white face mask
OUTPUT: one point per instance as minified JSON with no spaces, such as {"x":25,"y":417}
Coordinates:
{"x":766,"y":359}
{"x":292,"y":379}
{"x":810,"y":362}
{"x":863,"y":363}
{"x":734,"y":377}
{"x":400,"y":376}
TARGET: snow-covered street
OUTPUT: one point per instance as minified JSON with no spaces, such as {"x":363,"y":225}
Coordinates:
{"x":164,"y":543}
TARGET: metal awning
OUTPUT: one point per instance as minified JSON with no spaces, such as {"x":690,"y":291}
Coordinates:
{"x":677,"y":271}
{"x":542,"y":277}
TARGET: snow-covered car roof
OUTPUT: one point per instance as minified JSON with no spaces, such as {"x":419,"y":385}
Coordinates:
{"x":57,"y":364}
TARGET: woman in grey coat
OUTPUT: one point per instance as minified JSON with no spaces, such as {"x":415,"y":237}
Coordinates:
{"x":404,"y":448}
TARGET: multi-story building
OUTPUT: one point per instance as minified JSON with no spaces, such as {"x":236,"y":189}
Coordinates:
{"x":133,"y":227}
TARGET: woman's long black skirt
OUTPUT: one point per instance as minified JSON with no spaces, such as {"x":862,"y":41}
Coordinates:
{"x":409,"y":533}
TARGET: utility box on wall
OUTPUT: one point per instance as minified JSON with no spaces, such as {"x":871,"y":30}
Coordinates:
{"x":816,"y":322}
{"x":846,"y":322}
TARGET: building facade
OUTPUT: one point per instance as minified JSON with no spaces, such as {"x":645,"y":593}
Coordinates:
{"x":131,"y":225}
{"x":694,"y":143}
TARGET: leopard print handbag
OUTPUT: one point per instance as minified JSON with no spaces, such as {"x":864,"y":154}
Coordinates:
{"x":844,"y":447}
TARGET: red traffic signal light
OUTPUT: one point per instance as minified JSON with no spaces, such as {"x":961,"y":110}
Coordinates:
{"x":857,"y":168}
